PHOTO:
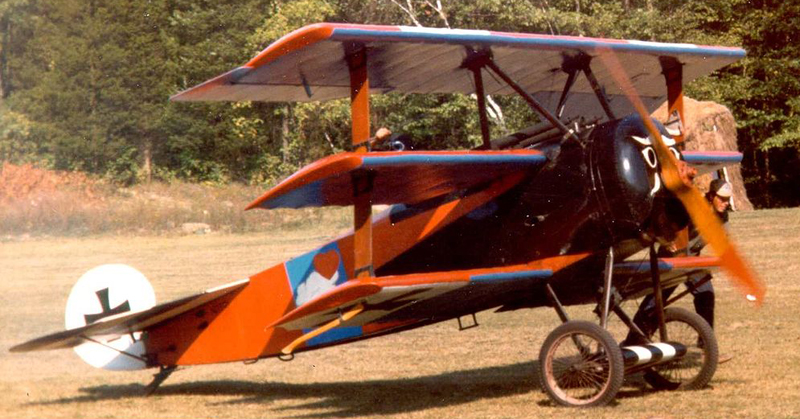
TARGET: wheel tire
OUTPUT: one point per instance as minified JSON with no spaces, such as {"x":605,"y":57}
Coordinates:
{"x":581,"y":378}
{"x":695,"y":369}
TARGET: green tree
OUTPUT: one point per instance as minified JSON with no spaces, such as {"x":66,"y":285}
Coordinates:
{"x":16,"y":143}
{"x":84,"y":83}
{"x":93,"y":88}
{"x":215,"y":141}
{"x":762,"y":91}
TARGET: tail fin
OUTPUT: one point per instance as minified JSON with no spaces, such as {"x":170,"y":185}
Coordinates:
{"x":102,"y":292}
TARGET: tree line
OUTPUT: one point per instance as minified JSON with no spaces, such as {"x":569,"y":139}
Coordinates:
{"x":84,"y":84}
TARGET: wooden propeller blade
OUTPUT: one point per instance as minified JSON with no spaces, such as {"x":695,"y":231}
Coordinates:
{"x":707,"y":223}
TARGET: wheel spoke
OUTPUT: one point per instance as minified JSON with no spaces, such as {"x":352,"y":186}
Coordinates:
{"x":579,"y":367}
{"x":576,"y":370}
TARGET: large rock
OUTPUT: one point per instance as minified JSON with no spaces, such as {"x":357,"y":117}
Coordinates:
{"x":710,"y":126}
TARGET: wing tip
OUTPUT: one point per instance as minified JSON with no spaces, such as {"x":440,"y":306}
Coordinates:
{"x":58,"y":340}
{"x":202,"y":92}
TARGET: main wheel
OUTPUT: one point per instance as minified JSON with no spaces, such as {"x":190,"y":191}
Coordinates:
{"x":581,"y":365}
{"x":695,"y":369}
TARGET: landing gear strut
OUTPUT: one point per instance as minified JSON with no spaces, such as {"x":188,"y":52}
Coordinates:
{"x":163,"y":373}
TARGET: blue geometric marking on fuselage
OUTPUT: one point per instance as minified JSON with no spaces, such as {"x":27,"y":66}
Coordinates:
{"x":334,"y":335}
{"x":299,"y":268}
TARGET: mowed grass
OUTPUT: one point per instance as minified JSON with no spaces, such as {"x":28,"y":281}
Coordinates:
{"x":487,"y":372}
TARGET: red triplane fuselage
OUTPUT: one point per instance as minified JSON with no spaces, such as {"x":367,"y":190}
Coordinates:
{"x":543,"y":216}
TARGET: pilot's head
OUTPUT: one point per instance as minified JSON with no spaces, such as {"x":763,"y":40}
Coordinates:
{"x":719,"y":193}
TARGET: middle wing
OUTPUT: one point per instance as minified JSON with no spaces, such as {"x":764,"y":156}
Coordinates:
{"x":710,"y":161}
{"x":397,"y":177}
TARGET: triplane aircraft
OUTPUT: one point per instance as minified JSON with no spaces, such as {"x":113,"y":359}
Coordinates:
{"x":544,"y":217}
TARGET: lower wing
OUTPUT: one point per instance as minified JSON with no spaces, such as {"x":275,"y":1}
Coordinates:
{"x":633,"y":279}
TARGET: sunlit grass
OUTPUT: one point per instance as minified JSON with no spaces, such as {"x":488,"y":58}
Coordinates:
{"x":433,"y":372}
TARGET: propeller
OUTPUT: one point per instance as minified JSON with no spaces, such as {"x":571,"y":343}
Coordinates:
{"x":676,"y":179}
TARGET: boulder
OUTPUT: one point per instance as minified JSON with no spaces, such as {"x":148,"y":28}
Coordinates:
{"x":710,"y":126}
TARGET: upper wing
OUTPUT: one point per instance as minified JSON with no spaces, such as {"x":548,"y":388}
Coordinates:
{"x":398,"y":177}
{"x":126,"y":323}
{"x":710,"y":161}
{"x":311,"y":64}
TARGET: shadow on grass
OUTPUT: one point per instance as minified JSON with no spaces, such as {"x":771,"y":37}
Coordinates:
{"x":360,"y":398}
{"x":346,"y":398}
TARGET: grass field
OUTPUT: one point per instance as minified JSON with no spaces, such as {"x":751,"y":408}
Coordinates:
{"x":434,"y":372}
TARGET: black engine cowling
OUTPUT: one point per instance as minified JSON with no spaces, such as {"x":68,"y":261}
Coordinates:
{"x":625,"y":175}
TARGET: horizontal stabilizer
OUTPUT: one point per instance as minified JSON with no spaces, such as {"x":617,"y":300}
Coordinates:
{"x":710,"y":161}
{"x":397,"y":177}
{"x":126,"y":323}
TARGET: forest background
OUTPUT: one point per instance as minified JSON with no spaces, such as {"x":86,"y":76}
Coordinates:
{"x":84,"y":84}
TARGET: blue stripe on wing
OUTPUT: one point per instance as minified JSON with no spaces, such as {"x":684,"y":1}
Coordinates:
{"x":511,"y":276}
{"x":404,"y":159}
{"x":468,"y":37}
{"x":638,"y":267}
{"x":709,"y":161}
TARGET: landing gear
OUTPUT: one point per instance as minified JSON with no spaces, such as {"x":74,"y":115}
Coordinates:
{"x":695,"y":369}
{"x":581,"y":365}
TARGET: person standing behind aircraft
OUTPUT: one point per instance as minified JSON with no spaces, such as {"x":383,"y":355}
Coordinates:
{"x":719,"y":196}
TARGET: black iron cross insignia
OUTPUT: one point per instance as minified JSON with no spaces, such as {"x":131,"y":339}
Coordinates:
{"x":102,"y":295}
